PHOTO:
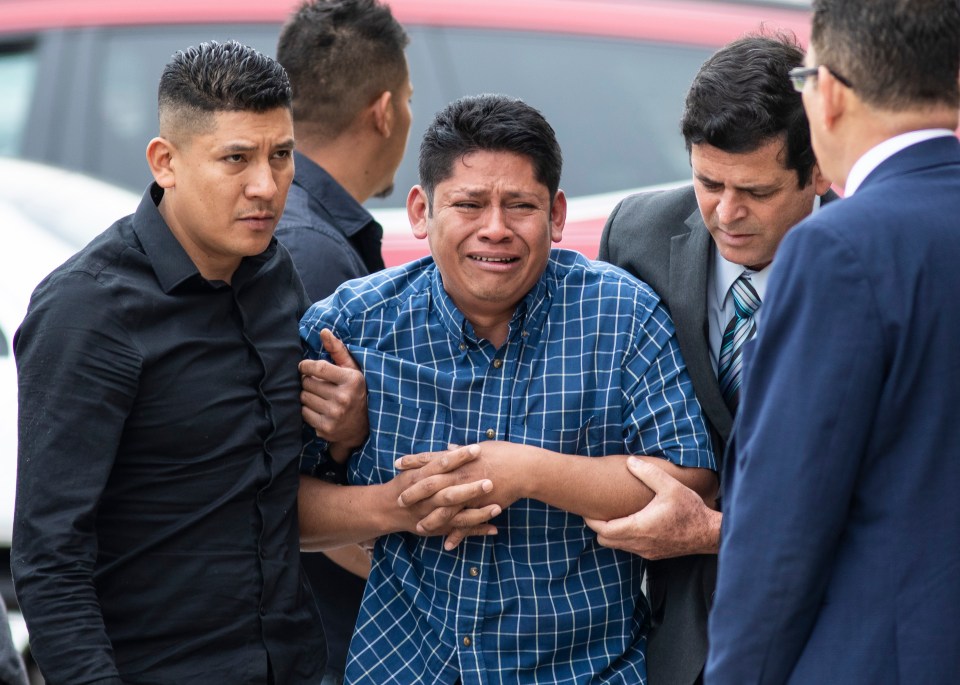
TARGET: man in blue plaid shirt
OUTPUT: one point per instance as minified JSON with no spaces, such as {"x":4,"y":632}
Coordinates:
{"x":549,"y":369}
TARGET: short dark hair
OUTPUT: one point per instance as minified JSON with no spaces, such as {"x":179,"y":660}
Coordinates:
{"x":494,"y":123}
{"x":340,"y":55}
{"x":218,"y":77}
{"x":897,"y":54}
{"x":742,"y":98}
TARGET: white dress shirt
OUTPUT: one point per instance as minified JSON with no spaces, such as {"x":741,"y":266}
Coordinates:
{"x":720,"y":307}
{"x":876,"y":155}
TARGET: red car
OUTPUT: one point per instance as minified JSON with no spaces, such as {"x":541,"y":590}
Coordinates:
{"x":78,"y":81}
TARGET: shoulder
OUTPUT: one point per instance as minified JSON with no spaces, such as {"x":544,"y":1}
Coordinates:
{"x":98,"y":264}
{"x":300,"y":219}
{"x":391,"y":288}
{"x":641,"y":226}
{"x":578,"y":277}
{"x":675,"y":204}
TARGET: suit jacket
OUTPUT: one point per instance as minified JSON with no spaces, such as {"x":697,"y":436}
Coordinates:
{"x":840,"y":551}
{"x":660,"y":237}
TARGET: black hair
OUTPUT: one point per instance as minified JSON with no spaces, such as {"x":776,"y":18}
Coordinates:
{"x":896,"y":54}
{"x":494,"y":123}
{"x":219,"y":77}
{"x":742,"y":98}
{"x":340,"y":55}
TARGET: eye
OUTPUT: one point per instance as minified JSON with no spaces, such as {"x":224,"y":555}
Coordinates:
{"x":234,"y":159}
{"x":283,"y":154}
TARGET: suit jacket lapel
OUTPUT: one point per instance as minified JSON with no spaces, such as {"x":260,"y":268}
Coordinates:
{"x":689,"y":267}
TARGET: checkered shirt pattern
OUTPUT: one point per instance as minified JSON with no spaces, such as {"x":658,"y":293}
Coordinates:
{"x":591,"y":367}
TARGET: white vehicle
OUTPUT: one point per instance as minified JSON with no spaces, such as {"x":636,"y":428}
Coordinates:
{"x":47,"y":214}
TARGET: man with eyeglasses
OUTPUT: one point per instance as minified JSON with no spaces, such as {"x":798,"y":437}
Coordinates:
{"x":704,"y":248}
{"x":839,"y":560}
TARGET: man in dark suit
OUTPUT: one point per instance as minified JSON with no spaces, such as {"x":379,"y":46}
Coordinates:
{"x":839,"y":559}
{"x":754,"y":178}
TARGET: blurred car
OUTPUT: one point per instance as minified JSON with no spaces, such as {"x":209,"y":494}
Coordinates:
{"x":78,"y":81}
{"x":47,"y":215}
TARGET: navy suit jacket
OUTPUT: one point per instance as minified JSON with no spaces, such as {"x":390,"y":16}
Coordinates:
{"x":840,"y":550}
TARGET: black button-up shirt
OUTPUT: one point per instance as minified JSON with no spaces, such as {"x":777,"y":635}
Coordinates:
{"x":332,"y":238}
{"x":155,"y":533}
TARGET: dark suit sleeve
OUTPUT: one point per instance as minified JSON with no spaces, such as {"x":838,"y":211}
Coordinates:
{"x":813,"y":376}
{"x":605,"y":236}
{"x":78,"y":374}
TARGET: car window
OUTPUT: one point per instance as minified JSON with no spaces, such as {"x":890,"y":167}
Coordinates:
{"x":615,"y":104}
{"x":18,"y":68}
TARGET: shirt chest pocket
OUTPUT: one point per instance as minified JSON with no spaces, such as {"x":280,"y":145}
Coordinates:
{"x":588,"y":439}
{"x":399,"y":429}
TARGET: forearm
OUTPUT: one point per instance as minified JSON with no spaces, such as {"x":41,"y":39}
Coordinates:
{"x":337,"y":515}
{"x":595,"y":487}
{"x":53,"y":576}
{"x":350,"y":558}
{"x":709,"y":534}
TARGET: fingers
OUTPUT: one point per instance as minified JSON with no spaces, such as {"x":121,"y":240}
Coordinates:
{"x":441,"y":519}
{"x":446,"y":491}
{"x":460,"y":534}
{"x":443,"y":462}
{"x":650,"y":475}
{"x":337,"y":350}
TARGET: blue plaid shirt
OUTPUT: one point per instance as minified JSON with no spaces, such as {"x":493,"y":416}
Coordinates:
{"x":591,"y":367}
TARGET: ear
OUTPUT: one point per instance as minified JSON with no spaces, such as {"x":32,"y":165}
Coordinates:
{"x":821,"y":184}
{"x":160,"y":155}
{"x":833,"y":97}
{"x":382,"y":109}
{"x":418,"y":209}
{"x":558,"y":216}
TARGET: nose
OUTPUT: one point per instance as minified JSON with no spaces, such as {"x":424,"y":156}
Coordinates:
{"x":260,"y":182}
{"x":730,"y":208}
{"x":494,"y":225}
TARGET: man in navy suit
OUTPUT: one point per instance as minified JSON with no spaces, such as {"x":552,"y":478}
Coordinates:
{"x":839,"y":556}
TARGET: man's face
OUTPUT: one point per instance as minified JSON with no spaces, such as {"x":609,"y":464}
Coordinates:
{"x":750,"y":200}
{"x":226,"y":188}
{"x":490,"y":231}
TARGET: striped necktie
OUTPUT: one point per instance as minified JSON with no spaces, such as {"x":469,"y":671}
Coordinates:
{"x":741,"y":328}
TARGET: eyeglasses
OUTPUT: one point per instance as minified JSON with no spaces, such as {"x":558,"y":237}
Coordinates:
{"x":800,"y":75}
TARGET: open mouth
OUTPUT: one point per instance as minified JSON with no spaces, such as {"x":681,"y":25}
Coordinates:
{"x":495,"y":260}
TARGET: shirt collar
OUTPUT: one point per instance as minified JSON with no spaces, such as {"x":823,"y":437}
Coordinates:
{"x":171,"y":263}
{"x":349,"y":214}
{"x":878,"y":154}
{"x":525,"y":322}
{"x":726,"y":272}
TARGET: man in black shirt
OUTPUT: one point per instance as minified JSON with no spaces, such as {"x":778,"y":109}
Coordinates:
{"x":351,"y":112}
{"x":155,"y":532}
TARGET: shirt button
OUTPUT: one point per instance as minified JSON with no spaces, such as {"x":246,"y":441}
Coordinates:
{"x":474,"y":571}
{"x":490,"y":434}
{"x":263,"y":611}
{"x":463,"y":347}
{"x":467,"y":642}
{"x":497,"y":363}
